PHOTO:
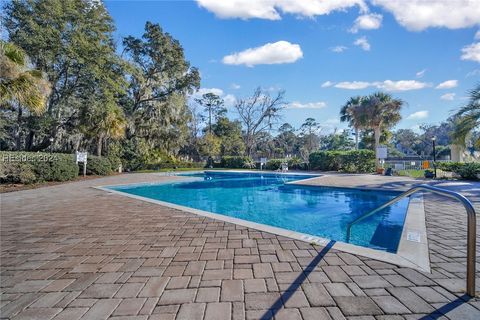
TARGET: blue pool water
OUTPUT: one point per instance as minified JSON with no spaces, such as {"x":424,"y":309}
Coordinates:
{"x":267,"y":199}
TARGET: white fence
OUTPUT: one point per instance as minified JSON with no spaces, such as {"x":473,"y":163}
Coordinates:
{"x":398,"y":165}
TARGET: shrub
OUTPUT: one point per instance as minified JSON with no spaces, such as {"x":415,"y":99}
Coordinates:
{"x":98,"y":166}
{"x":63,"y":168}
{"x":324,"y":161}
{"x":171,"y":165}
{"x":354,"y":161}
{"x":274,"y":164}
{"x":32,"y":167}
{"x":115,"y":163}
{"x":358,"y":161}
{"x":249,"y":164}
{"x":468,"y":171}
{"x":26,"y":175}
{"x":17,"y":172}
{"x":448,"y":166}
{"x":297,"y":164}
{"x":293,"y":164}
{"x":235,"y":162}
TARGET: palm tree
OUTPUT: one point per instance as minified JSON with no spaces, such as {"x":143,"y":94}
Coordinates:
{"x":20,"y":85}
{"x":349,"y":113}
{"x":112,"y":126}
{"x":379,"y":111}
{"x":105,"y":121}
{"x":468,"y":119}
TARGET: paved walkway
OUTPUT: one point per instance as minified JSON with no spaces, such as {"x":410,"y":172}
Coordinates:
{"x":74,"y":252}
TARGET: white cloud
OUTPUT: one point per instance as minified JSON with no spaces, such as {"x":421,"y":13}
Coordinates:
{"x":388,"y":85}
{"x":367,"y":22}
{"x":477,"y":35}
{"x":308,"y":105}
{"x":354,"y":85}
{"x":471,"y":52}
{"x":202,"y":91}
{"x":447,"y":84}
{"x":327,"y":84}
{"x":228,"y":99}
{"x":363,"y":43}
{"x":273,"y":9}
{"x":270,"y":53}
{"x":421,"y":73}
{"x":235,"y":86}
{"x":273,"y":88}
{"x":417,"y":15}
{"x":448,"y":96}
{"x":473,"y":73}
{"x":402,"y":85}
{"x":416,"y":128}
{"x":332,"y":121}
{"x":338,"y":49}
{"x":418,"y":115}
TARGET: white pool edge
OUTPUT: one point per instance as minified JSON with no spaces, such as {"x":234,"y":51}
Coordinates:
{"x":411,"y":254}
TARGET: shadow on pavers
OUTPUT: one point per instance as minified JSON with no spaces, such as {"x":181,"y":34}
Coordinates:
{"x":269,"y":314}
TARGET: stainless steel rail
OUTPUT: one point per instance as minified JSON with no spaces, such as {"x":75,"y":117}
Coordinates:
{"x":471,"y":225}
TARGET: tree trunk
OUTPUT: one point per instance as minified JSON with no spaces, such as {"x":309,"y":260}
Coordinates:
{"x":210,"y":121}
{"x":356,"y":138}
{"x":377,"y":144}
{"x":18,"y":141}
{"x":29,"y":140}
{"x":99,"y":145}
{"x":42,"y":145}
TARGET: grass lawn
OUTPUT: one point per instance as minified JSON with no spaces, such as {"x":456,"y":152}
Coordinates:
{"x":412,"y":173}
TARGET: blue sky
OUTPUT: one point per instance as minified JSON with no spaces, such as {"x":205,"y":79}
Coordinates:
{"x":425,"y":52}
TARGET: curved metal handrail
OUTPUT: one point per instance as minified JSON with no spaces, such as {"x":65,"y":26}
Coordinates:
{"x":471,"y":225}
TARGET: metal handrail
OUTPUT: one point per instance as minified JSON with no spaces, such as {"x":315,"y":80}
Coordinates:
{"x":471,"y":225}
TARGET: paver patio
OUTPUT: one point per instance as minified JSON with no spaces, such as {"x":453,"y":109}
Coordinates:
{"x":73,"y":252}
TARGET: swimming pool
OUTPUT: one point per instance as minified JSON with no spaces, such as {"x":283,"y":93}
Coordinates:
{"x":269,"y":199}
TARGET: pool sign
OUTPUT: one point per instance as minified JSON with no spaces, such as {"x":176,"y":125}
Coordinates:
{"x":82,"y":157}
{"x":382,"y":152}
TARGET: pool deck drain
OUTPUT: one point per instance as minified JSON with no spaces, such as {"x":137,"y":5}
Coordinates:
{"x":71,"y":252}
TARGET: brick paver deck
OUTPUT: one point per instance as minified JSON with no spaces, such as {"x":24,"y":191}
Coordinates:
{"x":74,"y":252}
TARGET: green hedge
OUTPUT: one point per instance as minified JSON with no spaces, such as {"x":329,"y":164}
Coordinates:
{"x":237,"y":162}
{"x":171,"y":165}
{"x":293,"y":164}
{"x":101,"y":166}
{"x":449,"y":166}
{"x":468,"y":171}
{"x":33,"y":167}
{"x":354,"y":161}
{"x":274,"y":164}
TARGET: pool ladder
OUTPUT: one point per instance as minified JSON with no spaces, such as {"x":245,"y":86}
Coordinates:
{"x":471,"y":225}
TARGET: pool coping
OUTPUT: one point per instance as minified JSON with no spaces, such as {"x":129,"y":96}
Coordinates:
{"x":412,"y":249}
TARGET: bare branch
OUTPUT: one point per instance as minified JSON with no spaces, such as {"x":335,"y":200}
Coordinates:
{"x":258,"y":114}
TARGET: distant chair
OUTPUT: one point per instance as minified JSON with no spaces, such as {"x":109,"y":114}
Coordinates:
{"x":389,"y":172}
{"x":284,"y":167}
